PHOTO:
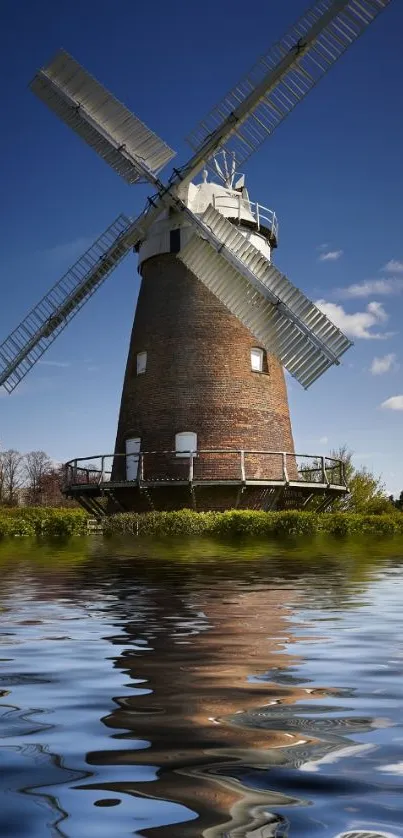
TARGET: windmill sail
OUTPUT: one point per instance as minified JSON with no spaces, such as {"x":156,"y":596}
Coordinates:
{"x":105,"y":124}
{"x":26,"y":344}
{"x":264,"y":300}
{"x":283,"y":77}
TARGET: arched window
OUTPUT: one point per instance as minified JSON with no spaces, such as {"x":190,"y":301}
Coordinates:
{"x":185,"y":443}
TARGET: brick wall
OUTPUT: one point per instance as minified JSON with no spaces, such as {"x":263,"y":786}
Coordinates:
{"x":198,"y":375}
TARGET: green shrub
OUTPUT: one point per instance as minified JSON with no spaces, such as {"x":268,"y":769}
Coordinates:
{"x":20,"y":527}
{"x":31,"y":521}
{"x":381,"y":524}
{"x":183,"y":522}
{"x":4,"y":527}
{"x":337,"y":523}
{"x":12,"y":526}
{"x":294,"y":522}
{"x":346,"y":523}
{"x":62,"y":524}
{"x":242,"y":523}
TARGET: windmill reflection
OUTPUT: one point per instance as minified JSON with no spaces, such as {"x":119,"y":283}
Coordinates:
{"x":207,"y":721}
{"x":210,"y":688}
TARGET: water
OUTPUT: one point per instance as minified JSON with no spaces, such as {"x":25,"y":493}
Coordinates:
{"x":200,"y":690}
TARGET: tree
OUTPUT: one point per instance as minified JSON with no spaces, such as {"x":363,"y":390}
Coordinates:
{"x":367,"y":492}
{"x":51,"y":488}
{"x":37,"y":465}
{"x":2,"y":479}
{"x":10,"y":476}
{"x":397,"y":502}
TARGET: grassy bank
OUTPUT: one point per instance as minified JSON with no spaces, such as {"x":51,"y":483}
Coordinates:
{"x":42,"y":521}
{"x":38,"y":521}
{"x":251,"y":523}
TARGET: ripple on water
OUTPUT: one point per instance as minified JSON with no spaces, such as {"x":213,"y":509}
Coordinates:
{"x":258,"y":698}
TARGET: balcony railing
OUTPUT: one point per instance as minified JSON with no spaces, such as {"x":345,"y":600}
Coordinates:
{"x":236,"y":206}
{"x":206,"y":466}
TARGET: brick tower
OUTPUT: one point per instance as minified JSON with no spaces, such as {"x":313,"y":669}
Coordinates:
{"x":196,"y":379}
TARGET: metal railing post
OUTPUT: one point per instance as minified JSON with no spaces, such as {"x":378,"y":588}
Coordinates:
{"x":285,"y":473}
{"x":324,"y":475}
{"x":257,"y":216}
{"x":243,"y":477}
{"x":239,"y":207}
{"x":343,"y":473}
{"x":102,"y":469}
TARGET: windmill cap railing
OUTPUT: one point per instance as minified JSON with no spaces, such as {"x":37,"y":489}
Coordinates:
{"x":212,"y":465}
{"x":264,"y":218}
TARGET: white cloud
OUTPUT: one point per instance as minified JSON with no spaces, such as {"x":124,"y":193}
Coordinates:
{"x":394,"y":768}
{"x":385,"y":287}
{"x":330,"y":256}
{"x":394,"y":403}
{"x":381,"y":365}
{"x":322,"y":246}
{"x":356,"y":325}
{"x":60,"y":364}
{"x":335,"y":756}
{"x":394,"y":266}
{"x":378,"y":311}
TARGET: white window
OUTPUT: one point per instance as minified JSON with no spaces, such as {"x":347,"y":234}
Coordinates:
{"x":256,"y":360}
{"x":185,"y":442}
{"x":141,"y":362}
{"x":132,"y":457}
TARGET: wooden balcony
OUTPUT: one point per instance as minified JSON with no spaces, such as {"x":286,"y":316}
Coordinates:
{"x":204,"y":479}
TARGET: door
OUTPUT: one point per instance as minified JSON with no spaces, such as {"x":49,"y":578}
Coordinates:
{"x":132,"y":457}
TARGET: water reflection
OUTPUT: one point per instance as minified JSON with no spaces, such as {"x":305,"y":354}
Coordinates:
{"x":173,"y":698}
{"x":195,"y":653}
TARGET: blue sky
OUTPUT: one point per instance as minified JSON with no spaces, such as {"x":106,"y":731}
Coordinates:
{"x":333,"y":172}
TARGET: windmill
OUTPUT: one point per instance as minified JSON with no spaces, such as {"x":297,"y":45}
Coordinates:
{"x":204,"y":416}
